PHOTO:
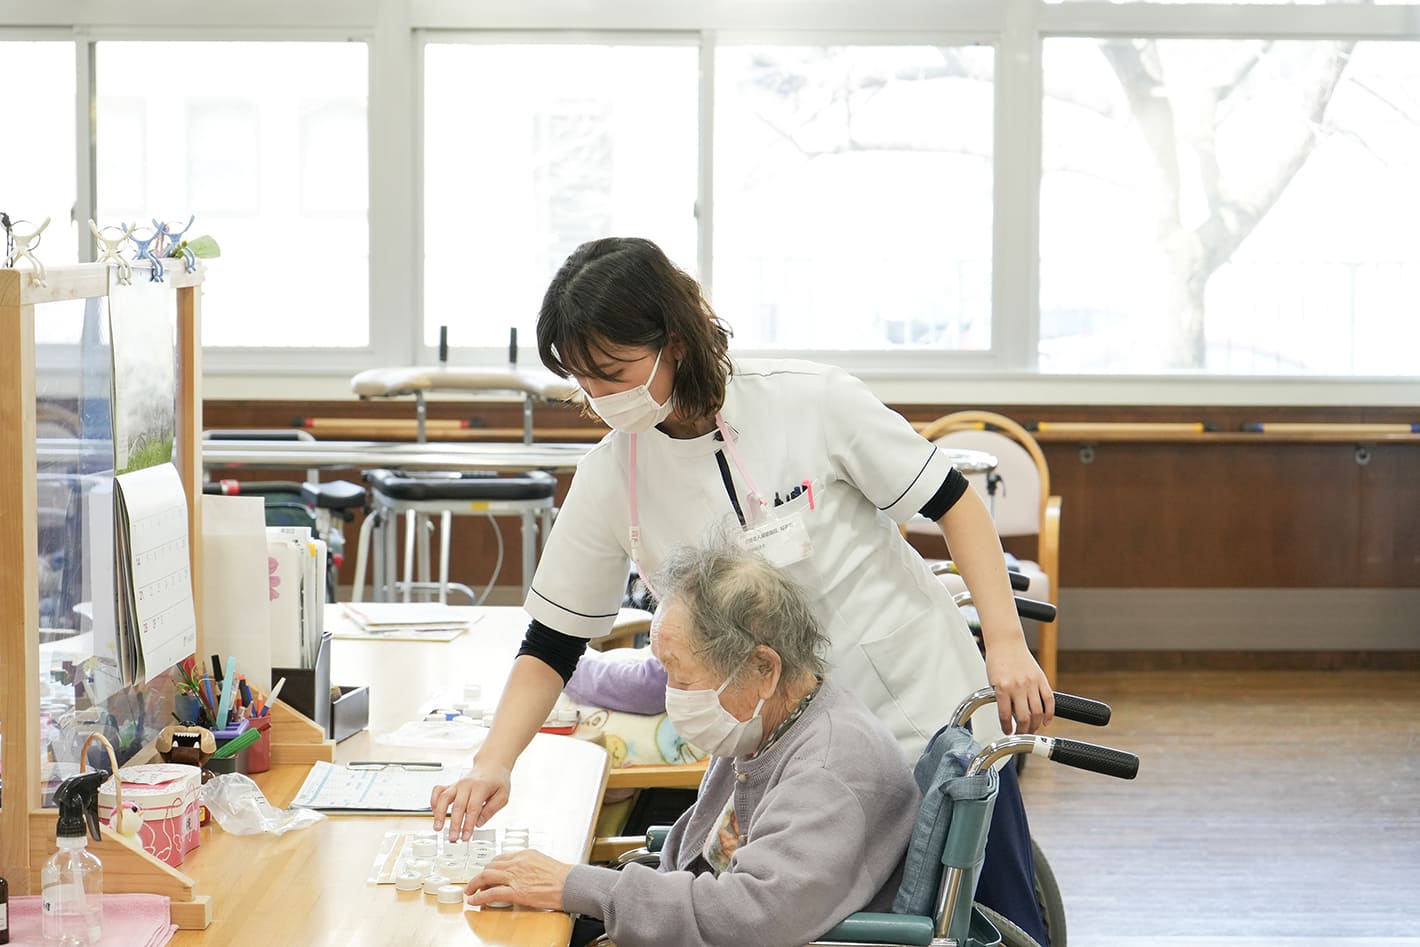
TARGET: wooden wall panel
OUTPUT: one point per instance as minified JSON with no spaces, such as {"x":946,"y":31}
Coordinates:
{"x":1141,"y":515}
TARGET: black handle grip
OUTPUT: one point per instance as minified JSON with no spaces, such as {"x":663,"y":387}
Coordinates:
{"x":1019,"y":581}
{"x":1035,"y":611}
{"x":443,"y":344}
{"x":1081,"y":709}
{"x":1095,"y":758}
{"x":513,"y":346}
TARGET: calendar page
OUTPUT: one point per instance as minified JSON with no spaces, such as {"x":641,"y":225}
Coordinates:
{"x":154,"y":566}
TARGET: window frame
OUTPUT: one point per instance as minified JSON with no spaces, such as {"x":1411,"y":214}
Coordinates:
{"x":394,"y":32}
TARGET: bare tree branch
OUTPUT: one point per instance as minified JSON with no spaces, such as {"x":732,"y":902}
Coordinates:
{"x":1151,"y":107}
{"x":1224,"y":231}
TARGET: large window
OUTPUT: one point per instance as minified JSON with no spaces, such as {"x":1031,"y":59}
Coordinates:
{"x":1147,"y":193}
{"x":37,"y":178}
{"x":853,"y":196}
{"x":1230,"y":206}
{"x":530,"y":150}
{"x":266,"y":145}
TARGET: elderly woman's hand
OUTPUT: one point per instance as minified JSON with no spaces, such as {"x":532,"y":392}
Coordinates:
{"x":529,"y":878}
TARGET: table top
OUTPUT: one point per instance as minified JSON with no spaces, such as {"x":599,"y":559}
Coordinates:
{"x":356,"y":455}
{"x":310,"y":886}
{"x":421,"y":673}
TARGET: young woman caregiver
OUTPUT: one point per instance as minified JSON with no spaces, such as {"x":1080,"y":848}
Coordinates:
{"x":815,"y":472}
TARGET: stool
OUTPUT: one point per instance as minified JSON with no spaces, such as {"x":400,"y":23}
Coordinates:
{"x":418,"y":494}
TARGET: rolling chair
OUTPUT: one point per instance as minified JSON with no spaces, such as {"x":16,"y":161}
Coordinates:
{"x":1018,"y":495}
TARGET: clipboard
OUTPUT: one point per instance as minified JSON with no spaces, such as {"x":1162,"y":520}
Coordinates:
{"x":390,"y":789}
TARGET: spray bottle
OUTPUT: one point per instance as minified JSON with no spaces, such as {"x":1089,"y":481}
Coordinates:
{"x":72,"y":882}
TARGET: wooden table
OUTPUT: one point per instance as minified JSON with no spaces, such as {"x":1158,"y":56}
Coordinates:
{"x":309,"y":886}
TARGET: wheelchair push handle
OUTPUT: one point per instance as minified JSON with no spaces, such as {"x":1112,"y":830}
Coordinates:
{"x":1095,"y":758}
{"x":1096,"y":713}
{"x":1067,"y":707}
{"x":1035,"y":610}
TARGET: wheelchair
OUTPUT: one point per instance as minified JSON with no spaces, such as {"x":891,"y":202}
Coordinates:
{"x":955,"y":919}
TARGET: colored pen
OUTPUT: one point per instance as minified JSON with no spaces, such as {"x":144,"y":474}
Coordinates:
{"x":271,"y":698}
{"x":229,"y":690}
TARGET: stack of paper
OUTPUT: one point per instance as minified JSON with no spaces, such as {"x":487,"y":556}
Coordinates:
{"x":405,"y":620}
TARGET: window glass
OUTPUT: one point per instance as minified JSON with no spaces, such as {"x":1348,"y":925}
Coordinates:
{"x":853,"y":196}
{"x":37,"y":180}
{"x":531,"y":150}
{"x":276,"y":170}
{"x":1380,"y":3}
{"x":1239,"y":206}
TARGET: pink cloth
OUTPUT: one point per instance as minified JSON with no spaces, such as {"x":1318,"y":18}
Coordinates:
{"x":130,"y":920}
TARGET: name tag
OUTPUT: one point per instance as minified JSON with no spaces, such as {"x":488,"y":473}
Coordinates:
{"x":782,"y":541}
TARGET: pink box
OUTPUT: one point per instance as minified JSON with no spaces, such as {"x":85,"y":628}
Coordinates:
{"x":167,"y":795}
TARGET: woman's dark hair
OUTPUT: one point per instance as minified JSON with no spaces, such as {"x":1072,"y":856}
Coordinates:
{"x":624,"y":292}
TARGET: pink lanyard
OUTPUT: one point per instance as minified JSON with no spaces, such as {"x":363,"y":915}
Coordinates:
{"x":635,"y":535}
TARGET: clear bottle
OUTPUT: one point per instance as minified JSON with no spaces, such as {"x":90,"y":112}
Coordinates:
{"x":72,"y":885}
{"x":72,"y":880}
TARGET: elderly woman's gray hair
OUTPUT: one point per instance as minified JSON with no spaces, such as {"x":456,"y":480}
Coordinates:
{"x":735,"y":600}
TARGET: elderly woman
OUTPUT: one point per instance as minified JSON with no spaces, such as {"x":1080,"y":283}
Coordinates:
{"x":805,"y":809}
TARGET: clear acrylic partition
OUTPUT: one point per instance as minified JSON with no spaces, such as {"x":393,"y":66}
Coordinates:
{"x":81,"y":689}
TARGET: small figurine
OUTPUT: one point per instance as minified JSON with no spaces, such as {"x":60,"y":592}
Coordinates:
{"x":111,"y":249}
{"x":174,"y":240}
{"x":127,"y":819}
{"x":146,"y":252}
{"x":185,"y":744}
{"x":25,"y":246}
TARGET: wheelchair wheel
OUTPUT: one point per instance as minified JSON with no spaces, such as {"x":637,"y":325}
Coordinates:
{"x":1047,"y":897}
{"x":1011,"y":935}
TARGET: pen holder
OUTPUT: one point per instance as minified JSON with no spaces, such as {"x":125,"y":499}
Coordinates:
{"x":240,"y":763}
{"x":307,"y":690}
{"x":259,"y":753}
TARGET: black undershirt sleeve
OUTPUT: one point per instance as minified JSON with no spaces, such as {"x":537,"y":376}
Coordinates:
{"x":946,"y":496}
{"x":558,"y":651}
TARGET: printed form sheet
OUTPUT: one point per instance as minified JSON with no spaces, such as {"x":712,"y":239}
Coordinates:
{"x":392,"y":789}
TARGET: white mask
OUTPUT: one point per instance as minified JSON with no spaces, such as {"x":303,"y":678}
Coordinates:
{"x":633,"y":411}
{"x":698,"y":716}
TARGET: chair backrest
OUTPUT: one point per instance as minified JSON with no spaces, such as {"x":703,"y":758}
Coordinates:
{"x":1019,"y":503}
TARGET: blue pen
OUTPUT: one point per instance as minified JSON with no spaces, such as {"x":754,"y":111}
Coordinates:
{"x":211,"y":704}
{"x":229,"y":691}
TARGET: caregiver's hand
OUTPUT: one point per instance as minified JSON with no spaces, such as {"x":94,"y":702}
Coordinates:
{"x":471,"y":801}
{"x":1023,"y":694}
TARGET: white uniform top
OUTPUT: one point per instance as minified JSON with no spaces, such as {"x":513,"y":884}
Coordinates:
{"x":897,"y":640}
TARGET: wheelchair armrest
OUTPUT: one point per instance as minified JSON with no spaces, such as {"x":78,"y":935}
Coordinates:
{"x":639,"y":856}
{"x":650,"y":855}
{"x":656,"y":837}
{"x":866,"y":928}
